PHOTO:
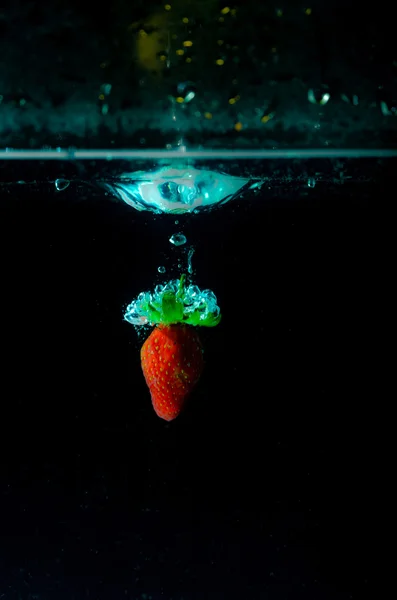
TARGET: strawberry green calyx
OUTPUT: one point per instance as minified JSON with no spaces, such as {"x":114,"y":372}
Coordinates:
{"x":175,"y":303}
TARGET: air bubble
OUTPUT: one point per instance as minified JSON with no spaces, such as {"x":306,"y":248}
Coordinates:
{"x":106,"y":88}
{"x":178,"y":239}
{"x":318,"y":96}
{"x":61,"y":184}
{"x":161,"y":269}
{"x":311,"y":182}
{"x":186,"y":91}
{"x":387,"y":110}
{"x":189,"y":261}
{"x":198,"y":305}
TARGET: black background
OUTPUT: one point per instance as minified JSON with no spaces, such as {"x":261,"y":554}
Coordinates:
{"x":269,"y":484}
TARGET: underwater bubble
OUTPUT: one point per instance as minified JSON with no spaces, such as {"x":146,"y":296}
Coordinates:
{"x":106,"y":88}
{"x":199,"y":306}
{"x":161,"y":269}
{"x":256,"y":186}
{"x":133,"y":316}
{"x":311,"y":182}
{"x":388,"y":109}
{"x":172,"y":286}
{"x":350,"y":99}
{"x":189,"y":261}
{"x":61,"y":184}
{"x":318,"y":96}
{"x":192,"y":294}
{"x":186,"y":91}
{"x":178,"y":239}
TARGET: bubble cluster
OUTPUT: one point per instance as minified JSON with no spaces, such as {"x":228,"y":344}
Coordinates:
{"x":198,"y":307}
{"x":203,"y":301}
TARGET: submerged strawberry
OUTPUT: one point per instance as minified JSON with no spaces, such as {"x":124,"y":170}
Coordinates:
{"x":172,"y":362}
{"x":172,"y":356}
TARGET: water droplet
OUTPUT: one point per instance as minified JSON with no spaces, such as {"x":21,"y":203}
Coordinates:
{"x":62,"y":184}
{"x":318,"y":96}
{"x":161,"y":269}
{"x":388,"y":109}
{"x":350,"y":99}
{"x":106,"y":88}
{"x":311,"y":182}
{"x":177,"y":191}
{"x":178,"y":239}
{"x":186,"y":91}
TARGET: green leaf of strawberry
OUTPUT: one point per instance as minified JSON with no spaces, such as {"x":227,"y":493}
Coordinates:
{"x":172,"y":362}
{"x":175,"y":303}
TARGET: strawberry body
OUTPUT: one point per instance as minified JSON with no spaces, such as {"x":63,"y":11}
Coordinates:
{"x":172,"y":362}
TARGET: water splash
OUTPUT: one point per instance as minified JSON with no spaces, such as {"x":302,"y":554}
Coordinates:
{"x":172,"y":190}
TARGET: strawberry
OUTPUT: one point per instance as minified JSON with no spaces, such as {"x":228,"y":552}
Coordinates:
{"x":172,"y":362}
{"x":172,"y":356}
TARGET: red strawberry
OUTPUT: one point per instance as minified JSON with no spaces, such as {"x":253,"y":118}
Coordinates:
{"x":172,"y":362}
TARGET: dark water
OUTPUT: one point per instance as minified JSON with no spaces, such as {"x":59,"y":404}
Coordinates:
{"x":275,"y":482}
{"x":263,"y":488}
